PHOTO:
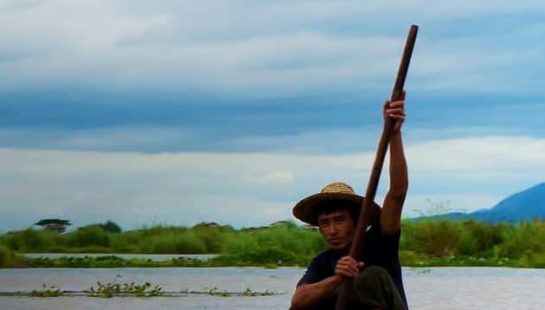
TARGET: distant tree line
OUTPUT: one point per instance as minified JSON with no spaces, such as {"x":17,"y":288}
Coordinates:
{"x":423,"y":243}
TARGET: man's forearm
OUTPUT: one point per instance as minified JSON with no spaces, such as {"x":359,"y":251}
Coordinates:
{"x":308,"y":295}
{"x":399,"y":181}
{"x":393,"y":202}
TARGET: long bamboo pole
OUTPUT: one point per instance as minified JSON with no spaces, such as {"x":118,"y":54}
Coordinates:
{"x":368,"y":213}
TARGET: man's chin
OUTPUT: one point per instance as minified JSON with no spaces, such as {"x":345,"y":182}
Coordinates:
{"x":338,"y":246}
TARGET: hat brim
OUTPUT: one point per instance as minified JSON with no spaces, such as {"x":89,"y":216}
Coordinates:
{"x":306,"y":209}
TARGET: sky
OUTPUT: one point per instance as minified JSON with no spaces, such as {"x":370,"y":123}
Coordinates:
{"x":178,"y":112}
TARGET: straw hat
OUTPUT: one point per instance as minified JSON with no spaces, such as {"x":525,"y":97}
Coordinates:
{"x":337,"y":192}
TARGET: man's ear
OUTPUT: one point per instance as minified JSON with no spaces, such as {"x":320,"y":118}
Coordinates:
{"x":319,"y":228}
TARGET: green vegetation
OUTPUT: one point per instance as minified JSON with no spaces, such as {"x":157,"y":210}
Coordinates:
{"x":8,"y":257}
{"x":114,"y":289}
{"x":433,"y":242}
{"x":104,"y":290}
{"x":108,"y":290}
{"x":47,"y":291}
{"x":246,"y":293}
{"x":443,"y":242}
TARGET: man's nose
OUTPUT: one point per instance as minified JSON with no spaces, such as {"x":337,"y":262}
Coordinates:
{"x":333,"y":229}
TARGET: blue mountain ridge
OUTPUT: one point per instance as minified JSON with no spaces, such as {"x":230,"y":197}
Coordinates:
{"x":526,"y":205}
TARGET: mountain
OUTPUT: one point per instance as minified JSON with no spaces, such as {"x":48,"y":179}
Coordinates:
{"x":526,"y":205}
{"x":523,"y":206}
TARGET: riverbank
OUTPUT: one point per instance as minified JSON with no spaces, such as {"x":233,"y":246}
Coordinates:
{"x":428,"y":243}
{"x":408,"y":259}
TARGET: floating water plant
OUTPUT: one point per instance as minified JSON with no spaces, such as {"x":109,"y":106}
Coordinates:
{"x":108,"y":290}
{"x":223,"y":293}
{"x":47,"y":291}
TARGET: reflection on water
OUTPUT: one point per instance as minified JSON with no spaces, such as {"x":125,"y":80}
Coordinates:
{"x":431,"y":288}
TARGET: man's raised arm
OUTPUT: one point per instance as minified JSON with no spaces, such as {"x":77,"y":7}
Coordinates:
{"x":399,"y":182}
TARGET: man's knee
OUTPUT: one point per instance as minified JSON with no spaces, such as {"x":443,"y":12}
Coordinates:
{"x":374,"y":288}
{"x":372,"y":274}
{"x":376,"y":271}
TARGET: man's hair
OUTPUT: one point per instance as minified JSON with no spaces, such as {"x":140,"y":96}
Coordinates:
{"x":328,"y":207}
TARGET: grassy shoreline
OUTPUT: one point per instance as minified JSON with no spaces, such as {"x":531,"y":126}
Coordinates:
{"x":111,"y":261}
{"x":429,"y":243}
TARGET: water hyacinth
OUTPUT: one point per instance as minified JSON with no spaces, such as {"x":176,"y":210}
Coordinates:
{"x":108,"y":290}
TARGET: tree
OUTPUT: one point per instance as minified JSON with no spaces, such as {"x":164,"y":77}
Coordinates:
{"x":110,"y":226}
{"x":57,"y":225}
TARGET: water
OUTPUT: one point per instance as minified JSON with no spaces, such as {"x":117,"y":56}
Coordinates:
{"x":427,"y":289}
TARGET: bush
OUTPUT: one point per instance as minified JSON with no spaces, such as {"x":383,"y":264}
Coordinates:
{"x":214,"y":238}
{"x":7,"y":257}
{"x":185,"y":242}
{"x":88,"y":236}
{"x":30,"y":240}
{"x":281,"y":245}
{"x":484,"y":237}
{"x":438,"y":238}
{"x":523,"y":238}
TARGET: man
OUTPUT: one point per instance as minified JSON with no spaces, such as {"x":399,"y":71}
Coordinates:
{"x":377,"y":277}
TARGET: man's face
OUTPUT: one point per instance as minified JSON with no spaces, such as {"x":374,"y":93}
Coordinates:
{"x":337,"y":229}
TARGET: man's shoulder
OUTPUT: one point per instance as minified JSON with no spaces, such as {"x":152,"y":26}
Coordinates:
{"x":321,"y":267}
{"x":325,"y":255}
{"x":324,"y":261}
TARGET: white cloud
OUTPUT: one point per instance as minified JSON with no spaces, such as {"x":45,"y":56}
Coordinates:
{"x":232,"y":47}
{"x":276,"y":177}
{"x":65,"y":41}
{"x":247,"y":189}
{"x":272,"y":49}
{"x":483,"y":157}
{"x":69,"y":26}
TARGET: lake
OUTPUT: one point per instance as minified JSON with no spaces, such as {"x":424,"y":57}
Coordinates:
{"x":427,"y":288}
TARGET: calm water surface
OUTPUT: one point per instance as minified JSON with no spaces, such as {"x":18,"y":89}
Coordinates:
{"x":433,"y":288}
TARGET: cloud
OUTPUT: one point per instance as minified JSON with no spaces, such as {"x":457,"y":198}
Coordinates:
{"x":277,"y":177}
{"x":246,"y":189}
{"x":66,"y":42}
{"x":477,"y":157}
{"x":187,"y":111}
{"x":286,"y":47}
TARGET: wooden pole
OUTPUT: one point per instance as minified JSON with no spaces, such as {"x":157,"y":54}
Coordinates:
{"x":368,"y":213}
